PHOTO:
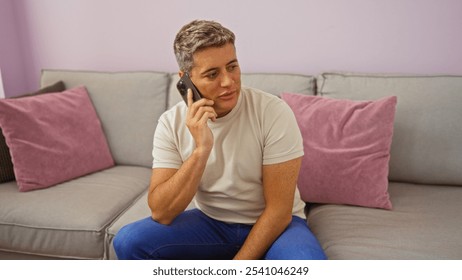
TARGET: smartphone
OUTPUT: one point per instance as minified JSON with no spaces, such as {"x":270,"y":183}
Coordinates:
{"x":183,"y":84}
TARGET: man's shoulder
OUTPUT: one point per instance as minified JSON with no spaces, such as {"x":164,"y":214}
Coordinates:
{"x":180,"y":107}
{"x":258,"y":94}
{"x":173,"y":113}
{"x":263,"y":98}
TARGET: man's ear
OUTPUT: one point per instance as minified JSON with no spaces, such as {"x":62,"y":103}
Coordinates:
{"x":180,"y":73}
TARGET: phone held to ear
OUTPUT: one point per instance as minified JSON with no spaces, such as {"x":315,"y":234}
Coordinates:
{"x":184,"y":84}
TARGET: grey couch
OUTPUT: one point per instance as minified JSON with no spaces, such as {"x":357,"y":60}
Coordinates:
{"x":78,"y":219}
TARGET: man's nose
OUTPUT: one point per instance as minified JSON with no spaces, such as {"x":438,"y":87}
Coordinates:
{"x":226,"y":80}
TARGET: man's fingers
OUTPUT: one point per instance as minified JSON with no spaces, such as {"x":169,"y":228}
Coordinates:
{"x":190,"y":97}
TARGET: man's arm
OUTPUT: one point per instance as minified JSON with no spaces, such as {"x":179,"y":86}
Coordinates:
{"x":171,"y":190}
{"x":279,"y":183}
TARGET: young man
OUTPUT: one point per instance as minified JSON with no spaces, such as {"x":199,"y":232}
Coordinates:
{"x":237,"y":151}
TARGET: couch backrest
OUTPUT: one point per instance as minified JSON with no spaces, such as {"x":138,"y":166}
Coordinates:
{"x":128,"y":104}
{"x":428,"y":121}
{"x":269,"y":82}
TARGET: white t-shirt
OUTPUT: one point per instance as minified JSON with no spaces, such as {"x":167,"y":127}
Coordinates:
{"x":260,"y":130}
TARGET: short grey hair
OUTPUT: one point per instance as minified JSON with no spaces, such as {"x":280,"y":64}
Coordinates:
{"x":198,"y":35}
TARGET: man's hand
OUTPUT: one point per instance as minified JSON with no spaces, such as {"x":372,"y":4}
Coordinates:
{"x":199,"y":113}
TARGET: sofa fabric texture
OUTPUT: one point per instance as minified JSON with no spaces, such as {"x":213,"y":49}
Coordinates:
{"x":423,"y":225}
{"x":68,"y":220}
{"x":78,"y":219}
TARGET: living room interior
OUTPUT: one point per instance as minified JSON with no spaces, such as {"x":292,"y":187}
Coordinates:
{"x":331,"y":48}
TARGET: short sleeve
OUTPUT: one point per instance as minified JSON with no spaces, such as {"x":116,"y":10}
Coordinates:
{"x":283,"y":140}
{"x":165,"y":152}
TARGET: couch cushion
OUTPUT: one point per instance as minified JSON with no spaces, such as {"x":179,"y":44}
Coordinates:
{"x":424,"y":224}
{"x":6,"y":165}
{"x":128,"y":104}
{"x":53,"y":138}
{"x":427,"y":134}
{"x":271,"y":83}
{"x":70,"y":219}
{"x":137,"y":211}
{"x":347,"y":149}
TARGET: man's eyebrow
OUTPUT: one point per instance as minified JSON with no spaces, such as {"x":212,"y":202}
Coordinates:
{"x":232,"y":61}
{"x":215,"y":68}
{"x":209,"y":70}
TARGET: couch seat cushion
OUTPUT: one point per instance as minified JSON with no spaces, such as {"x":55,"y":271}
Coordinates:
{"x":423,"y":224}
{"x":70,"y":219}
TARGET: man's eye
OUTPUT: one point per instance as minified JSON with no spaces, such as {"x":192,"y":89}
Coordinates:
{"x":212,"y":75}
{"x":232,"y":67}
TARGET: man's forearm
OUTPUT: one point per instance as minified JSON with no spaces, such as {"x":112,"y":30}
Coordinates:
{"x":167,"y":199}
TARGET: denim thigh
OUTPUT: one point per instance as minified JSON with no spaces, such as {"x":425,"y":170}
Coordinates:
{"x":297,"y":242}
{"x":192,"y":235}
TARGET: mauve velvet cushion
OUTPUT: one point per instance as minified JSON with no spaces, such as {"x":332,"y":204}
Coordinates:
{"x":53,"y":138}
{"x":347,"y":149}
{"x":6,"y":166}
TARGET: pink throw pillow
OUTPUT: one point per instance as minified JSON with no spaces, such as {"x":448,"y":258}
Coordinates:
{"x":347,"y":149}
{"x":53,"y":138}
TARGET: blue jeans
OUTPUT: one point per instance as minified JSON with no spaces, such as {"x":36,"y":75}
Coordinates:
{"x":193,"y":235}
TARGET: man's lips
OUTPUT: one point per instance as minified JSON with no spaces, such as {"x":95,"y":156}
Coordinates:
{"x":227,"y":95}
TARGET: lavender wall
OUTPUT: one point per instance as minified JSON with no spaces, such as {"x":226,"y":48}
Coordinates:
{"x":298,"y":36}
{"x":11,"y":62}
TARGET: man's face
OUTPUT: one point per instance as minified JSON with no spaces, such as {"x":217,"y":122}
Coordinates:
{"x":217,"y":75}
